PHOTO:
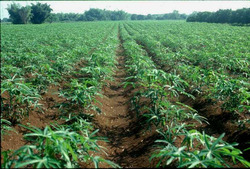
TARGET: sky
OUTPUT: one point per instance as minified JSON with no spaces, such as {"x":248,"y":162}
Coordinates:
{"x":134,"y":7}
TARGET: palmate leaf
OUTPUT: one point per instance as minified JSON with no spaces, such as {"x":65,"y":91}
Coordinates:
{"x":25,"y":149}
{"x":197,"y":164}
{"x":189,"y":137}
{"x":30,"y":162}
{"x":194,"y":161}
{"x":234,"y":154}
{"x":5,"y":125}
{"x":215,"y":151}
{"x":45,"y":162}
{"x":34,"y":129}
{"x":98,"y":159}
{"x":218,"y":159}
{"x":219,"y":139}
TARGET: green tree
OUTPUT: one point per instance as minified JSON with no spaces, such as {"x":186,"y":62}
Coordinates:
{"x":149,"y":17}
{"x":241,"y":16}
{"x":174,"y":15}
{"x":18,"y":14}
{"x":94,"y":14}
{"x":40,"y":12}
{"x":141,"y":17}
{"x":52,"y":18}
{"x":118,"y":15}
{"x":222,"y":16}
{"x":133,"y":17}
{"x":82,"y":18}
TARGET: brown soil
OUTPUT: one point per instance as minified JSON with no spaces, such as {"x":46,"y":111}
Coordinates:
{"x":221,"y":121}
{"x":14,"y":140}
{"x":50,"y":113}
{"x":129,"y":144}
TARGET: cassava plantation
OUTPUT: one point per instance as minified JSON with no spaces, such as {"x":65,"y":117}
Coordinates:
{"x":125,"y":94}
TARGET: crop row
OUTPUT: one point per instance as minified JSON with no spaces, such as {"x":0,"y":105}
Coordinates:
{"x":182,"y":144}
{"x":203,"y":78}
{"x":73,"y":142}
{"x":220,"y":47}
{"x":29,"y":66}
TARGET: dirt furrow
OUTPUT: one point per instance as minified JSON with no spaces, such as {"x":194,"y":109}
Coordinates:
{"x":50,"y":100}
{"x":129,"y":144}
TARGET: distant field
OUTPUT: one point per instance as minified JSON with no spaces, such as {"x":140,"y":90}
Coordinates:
{"x":170,"y":91}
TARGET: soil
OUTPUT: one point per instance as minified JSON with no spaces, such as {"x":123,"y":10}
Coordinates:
{"x":220,"y":121}
{"x":50,"y":113}
{"x":130,"y":146}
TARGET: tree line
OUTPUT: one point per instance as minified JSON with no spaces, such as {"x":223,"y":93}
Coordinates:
{"x":175,"y":15}
{"x":104,"y":15}
{"x":240,"y":16}
{"x":39,"y":13}
{"x":90,"y":15}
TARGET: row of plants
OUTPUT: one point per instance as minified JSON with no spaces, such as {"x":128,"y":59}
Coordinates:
{"x":31,"y":61}
{"x":73,"y":143}
{"x":98,"y":68}
{"x":54,"y":44}
{"x":207,"y":82}
{"x":58,"y":146}
{"x":181,"y":144}
{"x":221,"y":47}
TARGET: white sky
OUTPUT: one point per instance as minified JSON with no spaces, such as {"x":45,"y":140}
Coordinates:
{"x":135,"y":7}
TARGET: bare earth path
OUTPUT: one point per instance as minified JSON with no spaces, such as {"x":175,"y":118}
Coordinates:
{"x":129,"y":145}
